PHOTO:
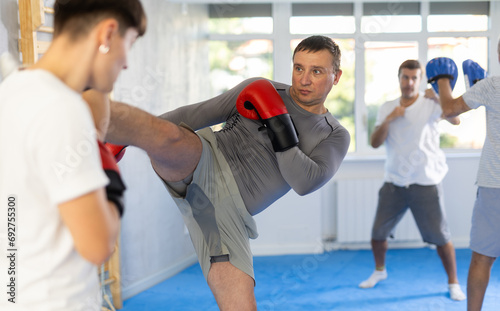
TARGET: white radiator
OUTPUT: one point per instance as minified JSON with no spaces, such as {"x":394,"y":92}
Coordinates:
{"x":356,"y":203}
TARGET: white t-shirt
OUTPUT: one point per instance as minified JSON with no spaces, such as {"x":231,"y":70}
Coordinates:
{"x":487,"y":93}
{"x":412,"y":144}
{"x":49,"y":155}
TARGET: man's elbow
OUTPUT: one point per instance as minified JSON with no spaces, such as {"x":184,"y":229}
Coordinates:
{"x":376,"y":138}
{"x":449,"y":112}
{"x":302,"y":192}
{"x":448,"y":108}
{"x":98,"y":254}
{"x":454,"y":120}
{"x":307,"y":188}
{"x":98,"y":248}
{"x":375,"y":143}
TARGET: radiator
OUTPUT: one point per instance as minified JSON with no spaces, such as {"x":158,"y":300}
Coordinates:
{"x":356,"y":203}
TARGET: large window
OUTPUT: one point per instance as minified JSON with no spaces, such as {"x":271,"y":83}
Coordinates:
{"x":231,"y":62}
{"x":241,"y":52}
{"x":249,"y":40}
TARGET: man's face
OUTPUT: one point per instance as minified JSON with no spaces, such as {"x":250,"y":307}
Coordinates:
{"x":313,"y":77}
{"x":409,"y":82}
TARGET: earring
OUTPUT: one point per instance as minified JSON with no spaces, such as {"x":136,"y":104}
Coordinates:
{"x":103,"y":49}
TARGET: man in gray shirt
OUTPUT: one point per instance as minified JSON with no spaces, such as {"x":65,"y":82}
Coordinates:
{"x":219,"y":180}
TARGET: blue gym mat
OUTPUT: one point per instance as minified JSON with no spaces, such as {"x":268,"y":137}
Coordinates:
{"x":320,"y":282}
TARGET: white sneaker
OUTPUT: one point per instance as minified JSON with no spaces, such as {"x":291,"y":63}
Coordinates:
{"x":376,"y":277}
{"x":456,"y":292}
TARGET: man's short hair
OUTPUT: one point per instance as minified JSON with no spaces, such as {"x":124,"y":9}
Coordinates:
{"x":410,"y":64}
{"x":319,"y":43}
{"x":78,"y":17}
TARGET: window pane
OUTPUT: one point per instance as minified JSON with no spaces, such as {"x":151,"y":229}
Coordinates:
{"x":382,"y":61}
{"x":457,"y":23}
{"x":460,"y":7}
{"x":340,"y":101}
{"x":243,"y":25}
{"x":322,"y":9}
{"x":471,"y":131}
{"x":322,"y":24}
{"x":234,"y":61}
{"x":391,"y":23}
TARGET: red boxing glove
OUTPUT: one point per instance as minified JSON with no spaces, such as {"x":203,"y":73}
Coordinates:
{"x":118,"y":151}
{"x":260,"y":100}
{"x":116,"y":187}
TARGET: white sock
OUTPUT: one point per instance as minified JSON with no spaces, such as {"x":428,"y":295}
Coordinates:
{"x":456,"y":292}
{"x":376,"y":277}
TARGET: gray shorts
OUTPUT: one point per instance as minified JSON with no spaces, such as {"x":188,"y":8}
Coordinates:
{"x":426,"y":205}
{"x":214,"y":212}
{"x":485,"y":230}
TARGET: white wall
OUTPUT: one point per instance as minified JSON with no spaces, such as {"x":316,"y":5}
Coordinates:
{"x":460,"y":194}
{"x":167,"y":69}
{"x":292,"y":225}
{"x":9,"y":27}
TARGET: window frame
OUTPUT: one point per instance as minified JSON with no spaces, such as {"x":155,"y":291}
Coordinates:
{"x":281,"y":38}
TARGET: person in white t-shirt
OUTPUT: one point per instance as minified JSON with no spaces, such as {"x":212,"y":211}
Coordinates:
{"x":485,"y":229}
{"x":60,"y":189}
{"x":414,"y":169}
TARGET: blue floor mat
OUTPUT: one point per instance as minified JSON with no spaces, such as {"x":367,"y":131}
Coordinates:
{"x":323,"y":282}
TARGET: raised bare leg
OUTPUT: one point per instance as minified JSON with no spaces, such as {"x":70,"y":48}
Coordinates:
{"x":174,"y":150}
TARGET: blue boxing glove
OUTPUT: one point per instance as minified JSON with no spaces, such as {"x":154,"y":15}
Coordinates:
{"x":441,"y":67}
{"x":472,"y":72}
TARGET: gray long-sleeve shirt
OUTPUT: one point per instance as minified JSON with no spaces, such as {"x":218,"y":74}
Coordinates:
{"x":262,"y":175}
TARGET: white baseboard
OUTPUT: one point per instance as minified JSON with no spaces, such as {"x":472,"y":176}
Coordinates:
{"x":152,"y":280}
{"x":276,"y":250}
{"x":461,"y":243}
{"x":333,"y":245}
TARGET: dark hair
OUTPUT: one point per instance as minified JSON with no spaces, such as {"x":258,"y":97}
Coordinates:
{"x":77,"y":17}
{"x":319,"y":43}
{"x":410,"y":64}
